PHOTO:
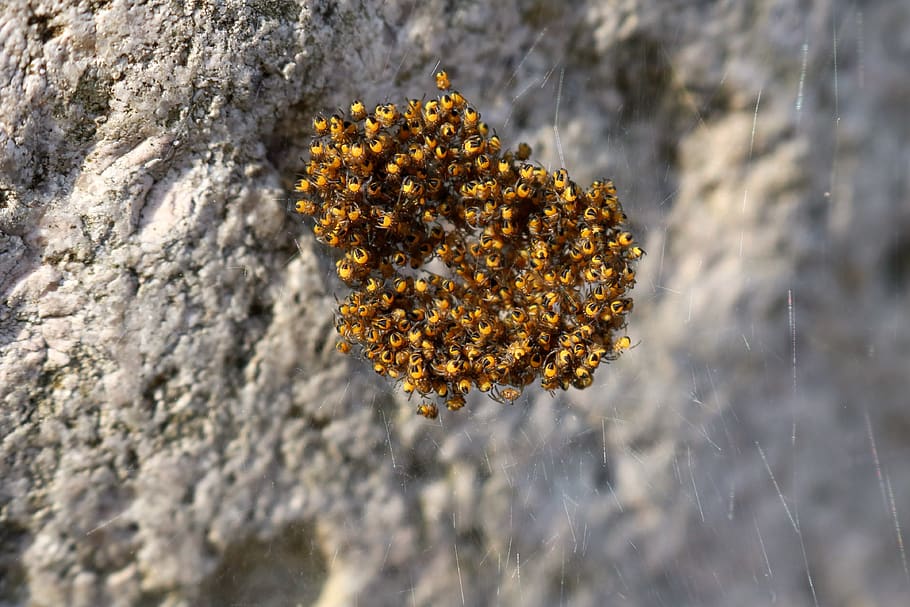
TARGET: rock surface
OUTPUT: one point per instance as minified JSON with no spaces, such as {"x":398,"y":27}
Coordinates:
{"x":177,"y":429}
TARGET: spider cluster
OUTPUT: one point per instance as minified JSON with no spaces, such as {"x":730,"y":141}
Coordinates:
{"x":471,"y":268}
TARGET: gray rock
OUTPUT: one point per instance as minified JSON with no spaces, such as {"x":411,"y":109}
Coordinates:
{"x":177,"y":429}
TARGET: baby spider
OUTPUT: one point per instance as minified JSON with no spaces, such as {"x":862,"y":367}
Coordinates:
{"x":505,"y":396}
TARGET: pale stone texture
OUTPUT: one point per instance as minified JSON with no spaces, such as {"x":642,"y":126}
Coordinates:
{"x":177,"y":429}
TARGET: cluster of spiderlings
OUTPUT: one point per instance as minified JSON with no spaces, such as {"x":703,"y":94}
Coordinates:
{"x":471,"y":268}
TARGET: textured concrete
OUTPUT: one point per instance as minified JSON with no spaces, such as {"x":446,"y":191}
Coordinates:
{"x":177,"y":429}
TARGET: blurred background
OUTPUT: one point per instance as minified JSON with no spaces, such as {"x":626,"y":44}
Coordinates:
{"x":177,"y":429}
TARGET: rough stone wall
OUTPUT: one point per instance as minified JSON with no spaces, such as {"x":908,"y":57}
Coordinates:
{"x":176,"y":428}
